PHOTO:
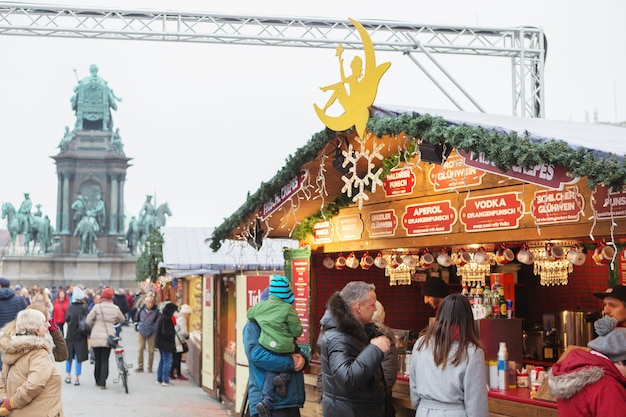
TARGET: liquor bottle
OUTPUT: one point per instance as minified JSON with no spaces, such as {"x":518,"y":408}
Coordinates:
{"x":502,"y":303}
{"x":503,"y":366}
{"x":472,"y":296}
{"x":495,"y":304}
{"x":464,"y":291}
{"x":487,"y":302}
{"x":479,"y":294}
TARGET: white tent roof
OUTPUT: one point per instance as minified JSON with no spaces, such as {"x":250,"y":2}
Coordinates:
{"x":601,"y":139}
{"x":185,"y":253}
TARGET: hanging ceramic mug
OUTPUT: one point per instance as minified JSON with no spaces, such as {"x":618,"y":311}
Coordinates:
{"x":340,"y":262}
{"x":328,"y":262}
{"x":462,"y":257}
{"x":444,"y":259}
{"x":525,"y":256}
{"x":380,"y":261}
{"x":481,"y":257}
{"x":409,"y":260}
{"x":576,"y":256}
{"x":554,"y":252}
{"x":604,"y":255}
{"x":352,"y":261}
{"x":396,"y":260}
{"x":366,"y":261}
{"x":427,"y":259}
{"x":504,"y":256}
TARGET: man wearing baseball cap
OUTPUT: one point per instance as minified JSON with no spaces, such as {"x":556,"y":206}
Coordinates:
{"x":614,"y":303}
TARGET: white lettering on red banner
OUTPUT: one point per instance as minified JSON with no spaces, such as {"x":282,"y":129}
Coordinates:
{"x":550,"y":176}
{"x":454,"y":173}
{"x":554,"y":206}
{"x":492,"y":212}
{"x":289,"y":190}
{"x":429,"y":218}
{"x":323,"y":232}
{"x":608,"y":204}
{"x":382,"y":223}
{"x":399,"y":182}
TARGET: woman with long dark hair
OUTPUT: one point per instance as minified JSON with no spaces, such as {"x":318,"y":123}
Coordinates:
{"x":448,"y":364}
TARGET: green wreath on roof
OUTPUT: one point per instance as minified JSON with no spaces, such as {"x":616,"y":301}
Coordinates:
{"x":504,"y":150}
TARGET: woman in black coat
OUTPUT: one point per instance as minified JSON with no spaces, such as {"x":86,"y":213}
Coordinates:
{"x":76,"y":339}
{"x":165,"y":341}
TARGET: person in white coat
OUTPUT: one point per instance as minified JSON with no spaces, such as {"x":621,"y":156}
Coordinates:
{"x":447,"y":374}
{"x":182,"y":334}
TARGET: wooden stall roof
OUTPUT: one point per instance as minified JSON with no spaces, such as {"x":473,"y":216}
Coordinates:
{"x":606,"y":144}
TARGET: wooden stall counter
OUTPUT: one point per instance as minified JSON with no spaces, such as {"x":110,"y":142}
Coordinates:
{"x":502,"y":403}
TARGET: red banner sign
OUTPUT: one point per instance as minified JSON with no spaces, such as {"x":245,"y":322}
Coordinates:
{"x":255,"y":284}
{"x":607,"y":203}
{"x":349,"y":227}
{"x":429,"y":218}
{"x":454,"y":173}
{"x":492,"y":212}
{"x":382,"y":223}
{"x":323,"y":232}
{"x":289,"y":190}
{"x":300,"y":287}
{"x":550,"y":176}
{"x":399,"y":182}
{"x":554,"y":206}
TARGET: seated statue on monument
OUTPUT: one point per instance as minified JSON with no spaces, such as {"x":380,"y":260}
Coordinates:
{"x":116,"y":142}
{"x":68,"y":136}
{"x":92,"y":102}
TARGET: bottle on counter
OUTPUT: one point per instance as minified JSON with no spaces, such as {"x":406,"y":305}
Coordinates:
{"x":503,"y":366}
{"x":502,"y":303}
{"x":495,"y":304}
{"x":487,"y":302}
{"x":464,"y":291}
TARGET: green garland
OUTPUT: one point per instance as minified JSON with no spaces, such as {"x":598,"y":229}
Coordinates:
{"x":504,"y":150}
{"x":147,"y":266}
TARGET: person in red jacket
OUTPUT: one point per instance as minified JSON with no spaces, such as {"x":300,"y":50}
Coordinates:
{"x":593,"y":383}
{"x":61,"y":303}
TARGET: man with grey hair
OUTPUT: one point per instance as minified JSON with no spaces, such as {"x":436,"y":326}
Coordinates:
{"x":146,"y":318}
{"x":352,"y":351}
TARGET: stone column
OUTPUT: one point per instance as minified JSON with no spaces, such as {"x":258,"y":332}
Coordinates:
{"x":66,"y":205}
{"x":113,"y":224}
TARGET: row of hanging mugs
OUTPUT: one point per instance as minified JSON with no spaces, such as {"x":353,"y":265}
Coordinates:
{"x":603,"y":254}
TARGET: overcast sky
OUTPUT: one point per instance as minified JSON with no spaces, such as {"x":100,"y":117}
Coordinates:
{"x":206,"y":124}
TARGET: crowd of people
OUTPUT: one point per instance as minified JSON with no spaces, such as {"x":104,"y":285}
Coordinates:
{"x":72,"y":324}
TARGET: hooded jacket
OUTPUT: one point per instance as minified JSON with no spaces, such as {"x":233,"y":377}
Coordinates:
{"x":10,"y":305}
{"x":586,"y":384}
{"x":29,"y":377}
{"x":352,"y":376}
{"x":166,"y":330}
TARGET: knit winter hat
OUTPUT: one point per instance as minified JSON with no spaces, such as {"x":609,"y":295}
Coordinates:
{"x":78,"y":294}
{"x":107,"y":293}
{"x":611,"y":340}
{"x":279,"y":287}
{"x":435,"y":287}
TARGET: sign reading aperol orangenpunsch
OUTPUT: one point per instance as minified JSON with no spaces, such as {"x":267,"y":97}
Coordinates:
{"x":381,"y":223}
{"x":557,"y":206}
{"x":492,"y":212}
{"x":454,"y":173}
{"x":429,"y":218}
{"x":399,"y":182}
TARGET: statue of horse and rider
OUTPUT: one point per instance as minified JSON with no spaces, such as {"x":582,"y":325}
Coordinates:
{"x":36,"y":229}
{"x":139,"y":229}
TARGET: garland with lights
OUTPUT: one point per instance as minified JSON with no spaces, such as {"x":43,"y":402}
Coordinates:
{"x":504,"y":150}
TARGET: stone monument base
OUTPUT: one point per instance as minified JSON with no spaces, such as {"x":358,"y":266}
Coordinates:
{"x":89,"y":270}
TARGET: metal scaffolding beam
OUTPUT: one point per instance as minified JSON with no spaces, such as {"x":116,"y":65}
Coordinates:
{"x":524,"y":46}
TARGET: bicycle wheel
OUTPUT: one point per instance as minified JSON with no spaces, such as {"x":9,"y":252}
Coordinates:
{"x":125,"y":379}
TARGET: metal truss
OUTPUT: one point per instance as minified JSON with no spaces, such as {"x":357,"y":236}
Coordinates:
{"x":524,"y":46}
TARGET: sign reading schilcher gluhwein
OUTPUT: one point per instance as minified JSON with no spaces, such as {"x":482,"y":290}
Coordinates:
{"x":557,"y":206}
{"x":492,"y":212}
{"x":289,"y":190}
{"x":429,"y":218}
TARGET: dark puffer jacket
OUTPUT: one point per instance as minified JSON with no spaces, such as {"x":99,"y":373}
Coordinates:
{"x":166,"y":331}
{"x":10,"y":305}
{"x":352,"y":376}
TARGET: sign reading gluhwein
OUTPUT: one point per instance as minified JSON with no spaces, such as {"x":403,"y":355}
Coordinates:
{"x":381,"y":223}
{"x":430,"y":218}
{"x":492,"y":212}
{"x":556,"y":206}
{"x":289,"y":190}
{"x":550,"y":176}
{"x":454,"y":173}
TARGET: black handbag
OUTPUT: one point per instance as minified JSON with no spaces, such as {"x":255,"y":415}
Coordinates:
{"x":83,"y":326}
{"x":182,"y":342}
{"x":111,"y":339}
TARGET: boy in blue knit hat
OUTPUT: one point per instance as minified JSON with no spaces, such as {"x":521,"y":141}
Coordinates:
{"x":280,"y":325}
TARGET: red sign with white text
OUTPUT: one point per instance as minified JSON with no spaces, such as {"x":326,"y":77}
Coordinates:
{"x":607,"y":203}
{"x":323,"y":232}
{"x":454,"y":173}
{"x":492,"y":212}
{"x":555,"y":206}
{"x":255,"y":284}
{"x":300,"y":287}
{"x":550,"y":176}
{"x":381,"y":223}
{"x":429,"y":219}
{"x":289,"y":190}
{"x":399,"y":182}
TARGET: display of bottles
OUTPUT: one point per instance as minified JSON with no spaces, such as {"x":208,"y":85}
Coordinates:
{"x":503,"y":366}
